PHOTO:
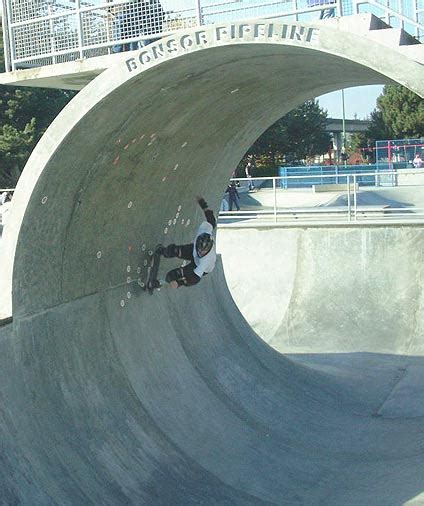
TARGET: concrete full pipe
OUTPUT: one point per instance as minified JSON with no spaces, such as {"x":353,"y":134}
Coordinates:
{"x":112,"y":397}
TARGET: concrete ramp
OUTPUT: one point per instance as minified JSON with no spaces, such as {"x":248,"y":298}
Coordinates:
{"x":110,"y":396}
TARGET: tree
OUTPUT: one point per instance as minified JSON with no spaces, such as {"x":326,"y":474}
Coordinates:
{"x":299,"y":135}
{"x":399,"y":115}
{"x":25,"y":114}
{"x":402,"y":112}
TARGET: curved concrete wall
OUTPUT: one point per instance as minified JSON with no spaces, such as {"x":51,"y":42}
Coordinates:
{"x":172,"y":120}
{"x":114,"y":397}
{"x":330,"y":289}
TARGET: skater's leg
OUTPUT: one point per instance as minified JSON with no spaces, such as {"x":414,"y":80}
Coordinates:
{"x":183,"y":276}
{"x":184,"y":251}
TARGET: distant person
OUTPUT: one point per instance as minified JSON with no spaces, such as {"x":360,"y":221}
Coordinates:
{"x":248,"y":171}
{"x":152,"y":20}
{"x":200,"y":253}
{"x":137,"y":19}
{"x":417,"y":162}
{"x":233,"y":196}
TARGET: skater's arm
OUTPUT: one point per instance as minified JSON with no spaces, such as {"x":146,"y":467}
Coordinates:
{"x":210,"y":218}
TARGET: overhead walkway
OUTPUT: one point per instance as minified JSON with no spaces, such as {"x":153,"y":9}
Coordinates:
{"x":74,"y":75}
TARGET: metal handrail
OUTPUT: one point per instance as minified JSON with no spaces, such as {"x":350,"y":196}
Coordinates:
{"x":20,"y":34}
{"x":353,"y":209}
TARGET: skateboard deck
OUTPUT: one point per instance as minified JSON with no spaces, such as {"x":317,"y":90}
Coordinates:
{"x":152,"y":271}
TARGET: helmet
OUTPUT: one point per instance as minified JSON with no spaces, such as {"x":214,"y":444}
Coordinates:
{"x":204,"y":244}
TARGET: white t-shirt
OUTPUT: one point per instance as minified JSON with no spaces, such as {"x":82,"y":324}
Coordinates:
{"x":417,"y":162}
{"x":204,"y":264}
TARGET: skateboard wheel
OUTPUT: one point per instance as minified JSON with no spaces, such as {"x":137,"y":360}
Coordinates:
{"x":150,"y":252}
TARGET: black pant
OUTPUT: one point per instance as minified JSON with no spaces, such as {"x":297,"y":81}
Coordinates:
{"x":184,"y":276}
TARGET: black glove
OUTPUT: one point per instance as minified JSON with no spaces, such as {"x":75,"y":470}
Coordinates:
{"x":202,"y":203}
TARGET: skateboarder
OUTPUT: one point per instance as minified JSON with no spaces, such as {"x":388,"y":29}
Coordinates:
{"x":233,"y":196}
{"x":201,"y":253}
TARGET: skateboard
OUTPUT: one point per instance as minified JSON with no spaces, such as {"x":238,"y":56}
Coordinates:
{"x":152,"y":271}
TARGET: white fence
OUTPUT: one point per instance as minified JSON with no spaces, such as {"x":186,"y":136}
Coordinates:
{"x":44,"y":32}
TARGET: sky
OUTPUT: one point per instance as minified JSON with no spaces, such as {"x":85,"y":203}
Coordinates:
{"x":360,"y":101}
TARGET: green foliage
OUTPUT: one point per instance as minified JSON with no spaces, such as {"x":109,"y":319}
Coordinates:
{"x":377,"y":130}
{"x":399,"y":115}
{"x":402,"y":112}
{"x":25,"y":114}
{"x":299,"y":135}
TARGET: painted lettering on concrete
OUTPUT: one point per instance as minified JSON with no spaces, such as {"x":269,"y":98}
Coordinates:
{"x":271,"y":32}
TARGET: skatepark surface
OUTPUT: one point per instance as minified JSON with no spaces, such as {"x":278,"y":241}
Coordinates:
{"x":111,"y":396}
{"x":174,"y":399}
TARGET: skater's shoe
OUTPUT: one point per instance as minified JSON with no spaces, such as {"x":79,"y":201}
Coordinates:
{"x":152,"y":285}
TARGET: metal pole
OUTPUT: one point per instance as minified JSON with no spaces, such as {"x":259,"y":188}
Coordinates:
{"x":51,"y":26}
{"x":79,"y":29}
{"x":274,"y":187}
{"x":344,"y":127}
{"x":11,"y":48}
{"x":348,"y":198}
{"x":199,"y":13}
{"x":355,"y":198}
{"x":6,"y":36}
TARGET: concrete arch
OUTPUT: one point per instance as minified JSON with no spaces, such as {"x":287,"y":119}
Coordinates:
{"x":224,"y":84}
{"x":113,"y":398}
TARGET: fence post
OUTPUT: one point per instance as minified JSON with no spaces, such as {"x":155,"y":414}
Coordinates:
{"x":7,"y":38}
{"x":274,"y":187}
{"x":52,"y":36}
{"x":79,"y":29}
{"x":199,"y":13}
{"x":355,"y":198}
{"x":348,"y":198}
{"x":11,"y":46}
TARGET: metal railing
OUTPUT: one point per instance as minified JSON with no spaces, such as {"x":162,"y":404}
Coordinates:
{"x":272,"y":201}
{"x":45,"y":32}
